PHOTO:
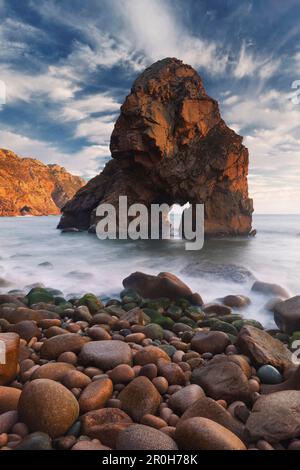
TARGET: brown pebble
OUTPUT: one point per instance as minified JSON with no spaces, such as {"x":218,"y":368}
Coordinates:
{"x":161,"y":384}
{"x":98,"y":334}
{"x":122,"y":373}
{"x":118,"y":337}
{"x":294,"y":445}
{"x":73,"y":328}
{"x":177,"y":356}
{"x":76,"y":392}
{"x":68,"y":357}
{"x":92,"y":371}
{"x":231,"y":349}
{"x":21,"y":429}
{"x":25,"y":376}
{"x":222,"y":403}
{"x":254,"y":385}
{"x":169,"y":431}
{"x":137,"y":370}
{"x":75,"y":379}
{"x":65,"y":443}
{"x":114,"y":403}
{"x":173,"y":420}
{"x":95,"y":395}
{"x":165,"y":413}
{"x":89,"y":445}
{"x":232,"y":406}
{"x":135,"y":338}
{"x":173,"y":389}
{"x":264,"y":445}
{"x":3,"y":439}
{"x":149,"y":370}
{"x":153,"y":421}
{"x":119,"y":387}
{"x":26,"y":365}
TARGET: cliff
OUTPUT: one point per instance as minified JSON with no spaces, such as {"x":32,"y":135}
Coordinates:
{"x":29,"y":187}
{"x":170,"y":145}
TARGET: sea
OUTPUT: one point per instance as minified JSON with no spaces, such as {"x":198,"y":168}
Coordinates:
{"x":33,"y":251}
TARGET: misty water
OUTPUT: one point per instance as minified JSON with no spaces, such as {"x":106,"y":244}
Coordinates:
{"x":80,"y":263}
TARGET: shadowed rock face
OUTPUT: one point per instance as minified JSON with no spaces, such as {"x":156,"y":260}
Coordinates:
{"x":170,"y":145}
{"x":29,"y":187}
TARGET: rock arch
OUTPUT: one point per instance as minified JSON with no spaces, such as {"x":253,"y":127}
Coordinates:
{"x":171,"y":145}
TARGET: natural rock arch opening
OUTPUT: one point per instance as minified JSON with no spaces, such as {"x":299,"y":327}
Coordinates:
{"x":171,"y":145}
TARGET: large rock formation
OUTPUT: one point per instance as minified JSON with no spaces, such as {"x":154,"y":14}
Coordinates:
{"x":170,"y":145}
{"x":29,"y":187}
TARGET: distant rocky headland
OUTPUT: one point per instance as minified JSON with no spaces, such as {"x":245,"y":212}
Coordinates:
{"x":30,"y":187}
{"x":170,"y":145}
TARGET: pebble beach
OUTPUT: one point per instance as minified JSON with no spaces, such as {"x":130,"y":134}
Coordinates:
{"x":134,"y":373}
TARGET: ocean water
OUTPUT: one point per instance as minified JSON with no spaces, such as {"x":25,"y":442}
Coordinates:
{"x":82,"y":263}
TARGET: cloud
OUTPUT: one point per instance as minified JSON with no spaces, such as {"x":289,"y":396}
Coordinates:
{"x":79,"y":109}
{"x":248,"y":64}
{"x":157,"y":31}
{"x":270,"y":123}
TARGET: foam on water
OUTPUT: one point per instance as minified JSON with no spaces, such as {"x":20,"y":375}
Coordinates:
{"x":82,"y":263}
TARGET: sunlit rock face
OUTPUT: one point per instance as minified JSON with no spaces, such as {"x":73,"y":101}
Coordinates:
{"x":29,"y":187}
{"x":170,"y":145}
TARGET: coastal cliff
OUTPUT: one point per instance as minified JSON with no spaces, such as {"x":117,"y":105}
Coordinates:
{"x":29,"y":187}
{"x":170,"y":145}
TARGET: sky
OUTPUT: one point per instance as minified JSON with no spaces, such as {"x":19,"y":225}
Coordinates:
{"x":68,"y":65}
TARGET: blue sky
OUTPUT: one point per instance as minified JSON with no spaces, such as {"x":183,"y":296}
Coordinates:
{"x":68,"y":65}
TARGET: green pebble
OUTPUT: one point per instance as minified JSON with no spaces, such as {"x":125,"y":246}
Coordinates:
{"x":174,"y":312}
{"x":169,"y":349}
{"x":231,"y":318}
{"x":183,"y":303}
{"x":225,"y":327}
{"x":37,"y":295}
{"x":240,"y":323}
{"x":188,"y":321}
{"x":129,"y":306}
{"x":92,"y":303}
{"x":154,"y":331}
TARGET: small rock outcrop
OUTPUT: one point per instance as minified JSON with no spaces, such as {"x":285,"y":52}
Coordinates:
{"x":170,"y":145}
{"x":29,"y":187}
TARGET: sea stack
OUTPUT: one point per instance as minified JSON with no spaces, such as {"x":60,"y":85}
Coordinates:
{"x":170,"y":145}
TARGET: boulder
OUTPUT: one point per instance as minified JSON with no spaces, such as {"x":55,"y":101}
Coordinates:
{"x":140,"y":397}
{"x":275,"y":417}
{"x":287,"y":315}
{"x":185,"y":398}
{"x":141,"y":437}
{"x":52,"y":370}
{"x":204,"y":434}
{"x":223,"y":380}
{"x":57,"y":345}
{"x":270,"y":289}
{"x":47,"y":406}
{"x":206,"y":407}
{"x":105,"y":354}
{"x":163,"y":285}
{"x":262,"y":348}
{"x":150,"y":355}
{"x":95,"y":395}
{"x":214,"y":342}
{"x":105,"y":424}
